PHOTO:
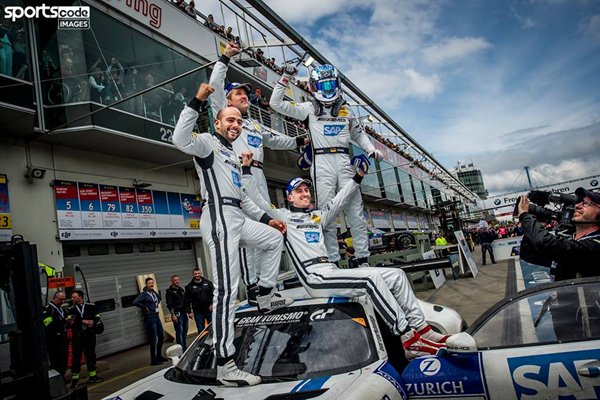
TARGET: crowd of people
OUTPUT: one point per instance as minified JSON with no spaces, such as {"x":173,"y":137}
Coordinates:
{"x":81,"y":318}
{"x":14,"y":60}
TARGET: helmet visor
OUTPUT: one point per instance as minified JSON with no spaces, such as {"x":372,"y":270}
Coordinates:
{"x":327,"y":87}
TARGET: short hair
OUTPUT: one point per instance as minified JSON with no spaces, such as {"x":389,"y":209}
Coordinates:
{"x":174,"y":276}
{"x":79,"y":293}
{"x":148,"y":279}
{"x":57,"y":293}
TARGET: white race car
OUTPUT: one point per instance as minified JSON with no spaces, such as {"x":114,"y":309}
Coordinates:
{"x":543,"y":343}
{"x":327,"y":348}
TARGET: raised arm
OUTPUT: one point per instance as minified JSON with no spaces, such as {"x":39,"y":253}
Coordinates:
{"x":218,"y":100}
{"x":278,"y":141}
{"x":277,"y":102}
{"x":184,"y":138}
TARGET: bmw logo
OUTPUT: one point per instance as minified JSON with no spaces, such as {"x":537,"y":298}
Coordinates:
{"x":594,"y":183}
{"x":497,"y":202}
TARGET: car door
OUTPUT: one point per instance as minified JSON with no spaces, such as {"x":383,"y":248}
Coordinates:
{"x":545,"y":343}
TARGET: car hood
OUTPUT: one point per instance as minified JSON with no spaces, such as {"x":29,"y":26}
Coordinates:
{"x":157,"y":387}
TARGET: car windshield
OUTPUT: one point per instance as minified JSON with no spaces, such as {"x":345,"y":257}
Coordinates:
{"x":558,"y":314}
{"x":299,"y":342}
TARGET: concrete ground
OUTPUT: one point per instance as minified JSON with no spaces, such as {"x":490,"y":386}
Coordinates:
{"x":469,"y":296}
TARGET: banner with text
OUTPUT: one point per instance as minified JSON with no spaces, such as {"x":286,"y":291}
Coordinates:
{"x":88,"y":211}
{"x":5,"y":218}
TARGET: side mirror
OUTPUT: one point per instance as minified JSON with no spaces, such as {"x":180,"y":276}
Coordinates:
{"x":174,"y":352}
{"x":461,"y":343}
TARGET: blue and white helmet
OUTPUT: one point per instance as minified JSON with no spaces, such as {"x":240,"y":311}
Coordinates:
{"x":324,"y":83}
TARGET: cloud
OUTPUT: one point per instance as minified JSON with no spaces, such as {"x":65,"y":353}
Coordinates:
{"x":452,"y":49}
{"x":525,"y":22}
{"x":591,"y":27}
{"x":554,"y":157}
{"x":305,"y":12}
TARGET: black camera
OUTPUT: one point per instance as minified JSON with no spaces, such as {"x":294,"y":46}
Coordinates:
{"x":564,"y":207}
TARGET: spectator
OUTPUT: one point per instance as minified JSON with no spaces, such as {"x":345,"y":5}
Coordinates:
{"x":211,"y":24}
{"x":191,"y":9}
{"x":20,"y":63}
{"x":486,"y":238}
{"x":152,"y":101}
{"x":199,"y":295}
{"x":180,"y":4}
{"x":97,"y":85}
{"x":47,"y":65}
{"x":6,"y":48}
{"x":256,"y":97}
{"x":238,"y":42}
{"x":149,"y":301}
{"x":114,"y":87}
{"x":116,"y":66}
{"x":260,"y":55}
{"x":222,"y":31}
{"x":229,"y":35}
{"x":178,"y":308}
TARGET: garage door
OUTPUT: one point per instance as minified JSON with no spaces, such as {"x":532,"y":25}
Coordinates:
{"x":110,"y":270}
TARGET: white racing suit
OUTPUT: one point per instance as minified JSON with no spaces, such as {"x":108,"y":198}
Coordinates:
{"x":223,"y":225}
{"x":388,"y":288}
{"x":254,"y":136}
{"x":331,"y":170}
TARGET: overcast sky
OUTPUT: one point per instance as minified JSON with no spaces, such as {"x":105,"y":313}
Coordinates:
{"x":503,"y":83}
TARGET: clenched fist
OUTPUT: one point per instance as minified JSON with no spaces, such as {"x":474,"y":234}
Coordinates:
{"x":204,"y":91}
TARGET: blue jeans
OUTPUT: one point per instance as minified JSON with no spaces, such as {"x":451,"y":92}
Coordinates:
{"x":200,"y":318}
{"x":156,"y":334}
{"x":181,"y":329}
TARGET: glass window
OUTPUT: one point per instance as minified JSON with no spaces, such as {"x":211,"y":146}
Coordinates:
{"x":566,"y":313}
{"x":288,"y":345}
{"x":187,"y":245}
{"x":14,"y":51}
{"x":167,"y":246}
{"x":103,"y":306}
{"x":127,"y":301}
{"x":123,"y":248}
{"x":98,"y":249}
{"x":389,"y":181}
{"x":146,"y":247}
{"x":112,"y":61}
{"x":71,"y":250}
{"x":407,"y":190}
{"x":418,"y":187}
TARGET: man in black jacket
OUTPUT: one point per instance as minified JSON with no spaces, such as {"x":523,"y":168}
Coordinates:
{"x":199,"y":295}
{"x":83,"y":316}
{"x":55,"y":321}
{"x":568,"y":258}
{"x":572,"y":257}
{"x":486,"y":238}
{"x":178,"y":308}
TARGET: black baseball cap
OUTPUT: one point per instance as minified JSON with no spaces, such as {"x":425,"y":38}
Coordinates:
{"x":581,"y":193}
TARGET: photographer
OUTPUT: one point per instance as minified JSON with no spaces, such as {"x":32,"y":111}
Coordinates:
{"x":569,"y":257}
